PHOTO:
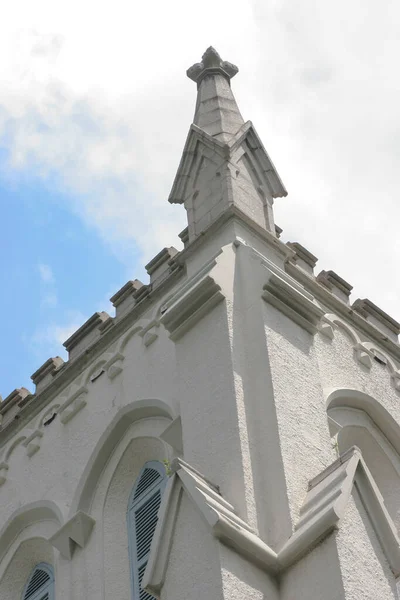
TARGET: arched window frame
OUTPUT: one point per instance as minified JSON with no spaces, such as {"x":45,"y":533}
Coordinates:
{"x":134,"y":505}
{"x":46,"y":588}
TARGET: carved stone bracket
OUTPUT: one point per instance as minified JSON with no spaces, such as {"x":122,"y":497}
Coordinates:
{"x":32,"y":442}
{"x":74,"y":533}
{"x":114,"y":365}
{"x":3,"y":472}
{"x":149,"y":333}
{"x":73,"y":405}
{"x":363,"y":355}
{"x":326,"y":328}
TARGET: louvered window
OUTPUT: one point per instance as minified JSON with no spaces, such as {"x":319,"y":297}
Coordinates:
{"x":143,"y":508}
{"x":40,"y":584}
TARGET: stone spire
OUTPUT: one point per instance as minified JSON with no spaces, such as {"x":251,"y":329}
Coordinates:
{"x":216,"y":110}
{"x":225,"y":170}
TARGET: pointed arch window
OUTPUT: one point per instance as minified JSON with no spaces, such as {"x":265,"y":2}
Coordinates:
{"x":144,"y":503}
{"x":40,"y":584}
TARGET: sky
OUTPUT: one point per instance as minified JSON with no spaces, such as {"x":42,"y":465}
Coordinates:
{"x":94,"y":111}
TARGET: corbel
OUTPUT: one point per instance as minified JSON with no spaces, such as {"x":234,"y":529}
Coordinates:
{"x":73,"y":405}
{"x":32,"y":442}
{"x":149,"y":333}
{"x":74,"y":532}
{"x":114,"y":365}
{"x":3,"y":472}
{"x":363,"y":355}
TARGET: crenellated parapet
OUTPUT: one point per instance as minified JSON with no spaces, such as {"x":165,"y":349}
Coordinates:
{"x":124,"y":299}
{"x":11,"y":405}
{"x":334,"y":293}
{"x":377,"y":317}
{"x":86,"y":334}
{"x":46,"y":372}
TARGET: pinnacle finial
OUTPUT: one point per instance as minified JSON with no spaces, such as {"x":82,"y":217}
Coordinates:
{"x":211,"y":63}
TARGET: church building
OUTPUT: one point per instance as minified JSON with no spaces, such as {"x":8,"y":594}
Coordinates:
{"x":232,"y":433}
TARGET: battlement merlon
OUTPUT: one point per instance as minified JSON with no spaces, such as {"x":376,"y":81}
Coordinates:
{"x":44,"y":374}
{"x":124,"y":298}
{"x":303,"y":257}
{"x":86,"y":334}
{"x":336,"y":284}
{"x":375,"y":315}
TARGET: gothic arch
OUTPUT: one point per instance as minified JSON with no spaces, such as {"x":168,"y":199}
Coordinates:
{"x":350,"y":332}
{"x":26,"y":516}
{"x":29,"y":550}
{"x":12,"y":447}
{"x":357,"y":419}
{"x":126,"y":416}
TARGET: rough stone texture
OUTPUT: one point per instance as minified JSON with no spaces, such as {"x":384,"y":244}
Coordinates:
{"x":359,"y":552}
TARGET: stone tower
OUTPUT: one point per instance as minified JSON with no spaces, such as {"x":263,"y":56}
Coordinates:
{"x":233,"y":432}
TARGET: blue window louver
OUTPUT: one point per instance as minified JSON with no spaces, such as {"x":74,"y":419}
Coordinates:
{"x":40,"y":584}
{"x":143,"y":507}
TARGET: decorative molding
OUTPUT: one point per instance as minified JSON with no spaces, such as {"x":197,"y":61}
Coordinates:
{"x":295,"y":304}
{"x":3,"y":472}
{"x":149,"y":333}
{"x":173,"y":435}
{"x":191,"y":302}
{"x":218,"y":514}
{"x":326,"y":327}
{"x":114,"y":365}
{"x":338,"y":307}
{"x":363,"y":355}
{"x":74,"y":532}
{"x":32,"y":442}
{"x":326,"y":503}
{"x":73,"y":405}
{"x":322,"y":512}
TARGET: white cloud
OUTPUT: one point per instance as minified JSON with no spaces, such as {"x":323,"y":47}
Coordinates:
{"x":48,"y":340}
{"x":105,"y":110}
{"x":46,"y":273}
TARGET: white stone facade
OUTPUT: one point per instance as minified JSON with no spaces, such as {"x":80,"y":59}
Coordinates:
{"x":274,"y":401}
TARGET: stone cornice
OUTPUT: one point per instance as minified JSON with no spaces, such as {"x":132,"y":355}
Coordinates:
{"x":343,"y":310}
{"x":73,"y":368}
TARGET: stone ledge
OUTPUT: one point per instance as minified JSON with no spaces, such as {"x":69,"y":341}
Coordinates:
{"x":189,"y":305}
{"x":298,"y":306}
